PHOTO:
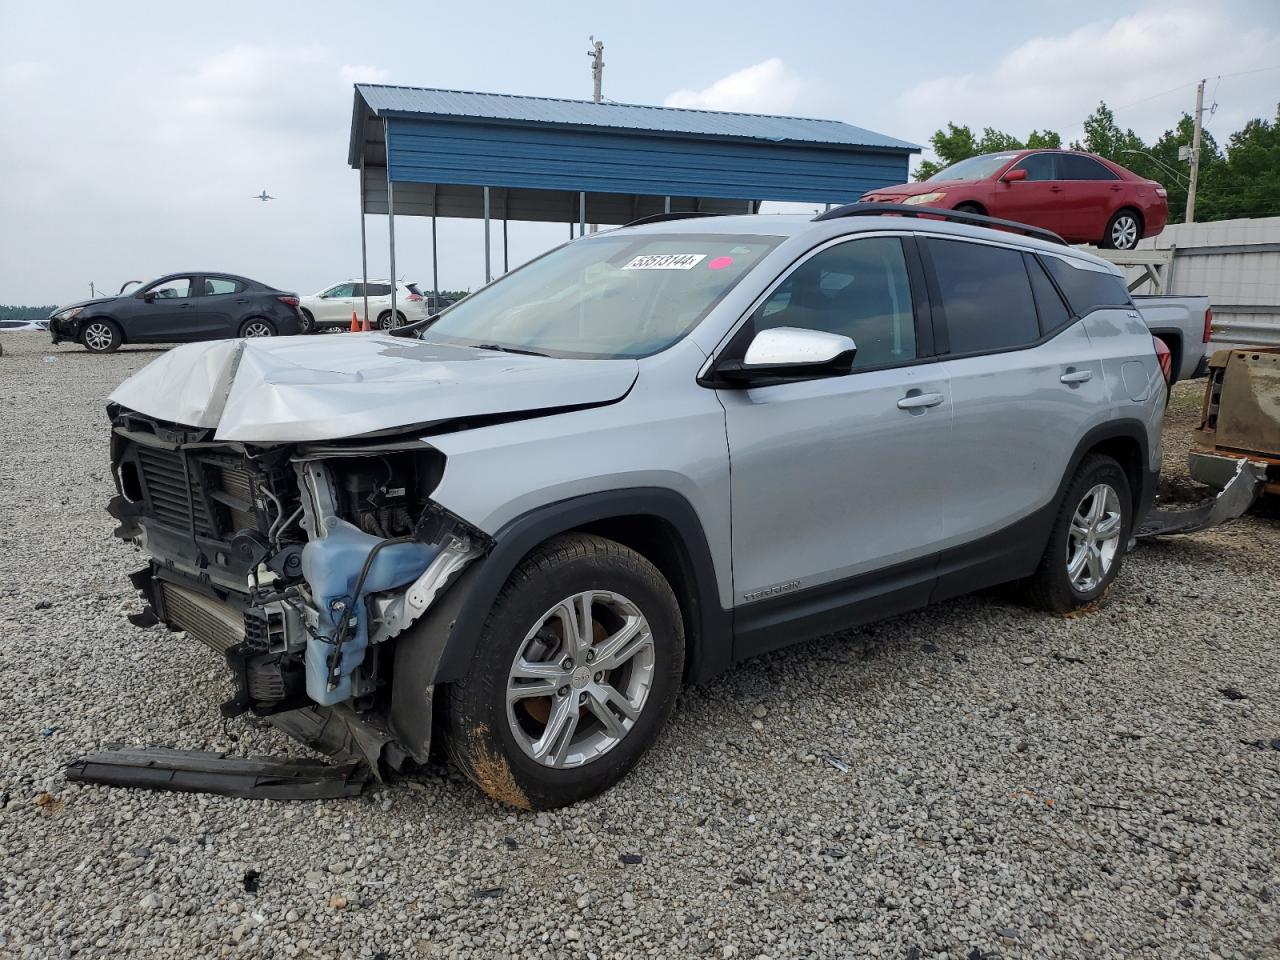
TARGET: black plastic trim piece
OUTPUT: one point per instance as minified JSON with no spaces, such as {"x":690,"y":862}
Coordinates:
{"x":938,"y":213}
{"x":196,"y":771}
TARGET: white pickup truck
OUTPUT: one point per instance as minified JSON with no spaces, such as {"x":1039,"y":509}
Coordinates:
{"x":1184,"y":324}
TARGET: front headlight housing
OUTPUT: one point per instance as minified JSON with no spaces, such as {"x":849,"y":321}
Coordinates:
{"x":69,"y":314}
{"x":924,"y":198}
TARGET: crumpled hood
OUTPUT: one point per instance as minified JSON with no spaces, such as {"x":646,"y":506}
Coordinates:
{"x":294,"y":389}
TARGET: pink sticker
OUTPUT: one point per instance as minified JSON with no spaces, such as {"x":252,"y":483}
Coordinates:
{"x":719,"y":263}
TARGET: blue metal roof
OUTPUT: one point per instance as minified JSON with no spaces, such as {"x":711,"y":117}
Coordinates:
{"x":461,"y":104}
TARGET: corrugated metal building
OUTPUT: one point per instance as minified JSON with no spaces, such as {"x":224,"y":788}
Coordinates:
{"x":441,"y":148}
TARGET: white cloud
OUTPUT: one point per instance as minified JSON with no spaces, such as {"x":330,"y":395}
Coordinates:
{"x":1132,"y":62}
{"x":767,"y":87}
{"x":361,"y":73}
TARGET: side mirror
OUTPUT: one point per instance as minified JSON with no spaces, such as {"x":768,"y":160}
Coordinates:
{"x":149,"y":296}
{"x":1013,"y":176}
{"x":791,"y":353}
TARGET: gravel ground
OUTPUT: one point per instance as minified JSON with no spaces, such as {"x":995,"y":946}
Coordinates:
{"x":972,"y":781}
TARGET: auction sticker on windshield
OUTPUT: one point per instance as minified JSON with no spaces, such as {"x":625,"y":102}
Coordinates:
{"x":666,"y":261}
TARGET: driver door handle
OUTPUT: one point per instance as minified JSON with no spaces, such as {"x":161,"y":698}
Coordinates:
{"x":916,"y":401}
{"x":1076,"y":376}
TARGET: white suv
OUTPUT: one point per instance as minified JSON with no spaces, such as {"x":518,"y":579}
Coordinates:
{"x":333,"y":306}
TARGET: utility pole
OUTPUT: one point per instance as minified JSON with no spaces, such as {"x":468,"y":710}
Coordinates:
{"x":596,"y":53}
{"x":1195,"y":155}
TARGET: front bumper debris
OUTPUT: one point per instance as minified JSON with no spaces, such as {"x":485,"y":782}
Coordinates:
{"x":1236,"y":496}
{"x":197,"y":771}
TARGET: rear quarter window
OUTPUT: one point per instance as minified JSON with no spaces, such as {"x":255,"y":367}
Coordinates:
{"x":986,"y":296}
{"x":1087,"y":290}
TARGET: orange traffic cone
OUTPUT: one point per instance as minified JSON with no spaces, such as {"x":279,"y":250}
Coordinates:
{"x":355,"y":324}
{"x":366,"y":328}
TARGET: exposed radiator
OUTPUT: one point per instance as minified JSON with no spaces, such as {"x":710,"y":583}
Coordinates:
{"x":212,"y":623}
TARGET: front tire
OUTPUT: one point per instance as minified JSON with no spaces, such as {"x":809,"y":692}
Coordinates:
{"x":1087,"y":545}
{"x":575,"y":672}
{"x":970,"y":208}
{"x":1124,"y":230}
{"x":307,"y":324}
{"x":101,"y":336}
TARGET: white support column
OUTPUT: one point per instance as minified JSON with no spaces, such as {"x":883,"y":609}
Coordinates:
{"x":364,"y":245}
{"x":488,"y":266}
{"x":391,"y":220}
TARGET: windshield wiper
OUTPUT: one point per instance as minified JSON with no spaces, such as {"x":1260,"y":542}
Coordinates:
{"x":502,"y":349}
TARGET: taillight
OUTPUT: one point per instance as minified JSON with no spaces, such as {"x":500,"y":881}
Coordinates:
{"x":415,"y":298}
{"x":1164,"y":356}
{"x":1208,"y":324}
{"x":291,"y":301}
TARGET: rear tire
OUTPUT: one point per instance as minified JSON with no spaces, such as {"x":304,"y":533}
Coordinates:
{"x":101,"y":336}
{"x":1088,"y":541}
{"x":257,"y":327}
{"x":385,"y":321}
{"x":1124,"y":230}
{"x":608,"y":691}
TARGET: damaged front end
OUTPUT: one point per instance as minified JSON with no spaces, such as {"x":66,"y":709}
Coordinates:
{"x":302,"y":566}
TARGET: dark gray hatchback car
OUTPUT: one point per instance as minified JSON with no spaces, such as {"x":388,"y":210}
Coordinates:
{"x":179,"y":308}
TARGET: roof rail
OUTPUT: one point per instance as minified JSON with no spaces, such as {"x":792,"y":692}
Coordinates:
{"x":663,"y":217}
{"x":954,"y":216}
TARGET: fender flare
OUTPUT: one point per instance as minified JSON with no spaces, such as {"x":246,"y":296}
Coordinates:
{"x":439,"y":647}
{"x":1125,"y":428}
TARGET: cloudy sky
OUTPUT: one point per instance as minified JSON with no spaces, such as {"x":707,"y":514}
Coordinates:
{"x":133,"y":135}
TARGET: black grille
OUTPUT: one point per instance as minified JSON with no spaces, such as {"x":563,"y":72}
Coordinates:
{"x":174,"y":502}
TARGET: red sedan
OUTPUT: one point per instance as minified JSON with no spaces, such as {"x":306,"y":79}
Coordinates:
{"x":1079,"y":196}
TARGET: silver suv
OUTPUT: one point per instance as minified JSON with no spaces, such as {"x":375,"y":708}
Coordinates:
{"x":636,"y":460}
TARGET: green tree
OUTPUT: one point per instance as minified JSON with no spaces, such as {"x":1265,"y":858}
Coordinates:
{"x":958,"y":143}
{"x":1247,"y":182}
{"x":1162,"y":164}
{"x":1103,"y":136}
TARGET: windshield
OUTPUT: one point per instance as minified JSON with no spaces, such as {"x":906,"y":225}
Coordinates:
{"x":604,"y":297}
{"x":975,"y":168}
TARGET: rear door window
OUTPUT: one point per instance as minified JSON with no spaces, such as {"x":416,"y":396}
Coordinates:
{"x":375,"y":290}
{"x":986,"y":296}
{"x":1086,"y":289}
{"x":219,"y":286}
{"x":859,"y":289}
{"x":1072,"y":166}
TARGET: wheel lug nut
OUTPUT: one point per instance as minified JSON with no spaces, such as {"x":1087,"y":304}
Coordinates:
{"x":582,"y":699}
{"x":591,"y":655}
{"x":599,"y":677}
{"x":562,"y":692}
{"x":567,"y":663}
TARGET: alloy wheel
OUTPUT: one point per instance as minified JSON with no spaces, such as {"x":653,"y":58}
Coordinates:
{"x":258,"y":328}
{"x":580,"y":679}
{"x":1094,"y":537}
{"x":1124,"y":233}
{"x":98,"y":336}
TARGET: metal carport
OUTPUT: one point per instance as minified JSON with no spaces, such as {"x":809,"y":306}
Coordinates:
{"x":453,"y":153}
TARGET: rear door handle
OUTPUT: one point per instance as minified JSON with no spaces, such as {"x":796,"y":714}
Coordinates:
{"x":916,"y":401}
{"x":1077,"y":376}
